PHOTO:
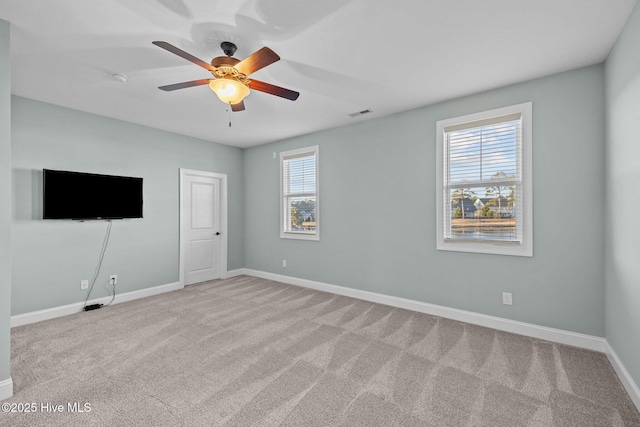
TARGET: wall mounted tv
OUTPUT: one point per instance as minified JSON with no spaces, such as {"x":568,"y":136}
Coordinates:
{"x":87,"y":196}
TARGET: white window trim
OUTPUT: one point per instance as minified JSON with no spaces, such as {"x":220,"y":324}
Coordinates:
{"x":523,"y":248}
{"x":300,"y":235}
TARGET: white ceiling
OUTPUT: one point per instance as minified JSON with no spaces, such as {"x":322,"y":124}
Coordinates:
{"x":343,"y":56}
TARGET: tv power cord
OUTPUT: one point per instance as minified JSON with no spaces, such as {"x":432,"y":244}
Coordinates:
{"x":105,"y":243}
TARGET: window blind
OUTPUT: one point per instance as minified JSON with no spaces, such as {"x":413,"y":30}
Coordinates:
{"x":299,"y":192}
{"x":483,"y":179}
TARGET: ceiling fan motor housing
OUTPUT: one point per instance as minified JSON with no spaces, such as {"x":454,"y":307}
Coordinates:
{"x":222,"y":61}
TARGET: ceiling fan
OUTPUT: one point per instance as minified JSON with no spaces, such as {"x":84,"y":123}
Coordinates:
{"x":230,"y":75}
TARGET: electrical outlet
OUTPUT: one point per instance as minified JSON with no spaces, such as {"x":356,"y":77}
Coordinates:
{"x":274,"y":154}
{"x":284,"y":263}
{"x":84,"y":284}
{"x":507,"y":298}
{"x":113,"y":279}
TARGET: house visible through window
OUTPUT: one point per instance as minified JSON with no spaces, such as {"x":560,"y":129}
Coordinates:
{"x":299,"y":196}
{"x":484,"y":182}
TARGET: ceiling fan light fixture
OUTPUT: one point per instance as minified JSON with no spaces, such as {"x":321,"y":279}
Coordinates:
{"x":229,"y":91}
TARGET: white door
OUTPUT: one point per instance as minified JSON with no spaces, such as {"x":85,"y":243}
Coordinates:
{"x":201,"y":240}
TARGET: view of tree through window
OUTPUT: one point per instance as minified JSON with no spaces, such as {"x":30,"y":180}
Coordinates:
{"x":303,"y":215}
{"x":482,"y":179}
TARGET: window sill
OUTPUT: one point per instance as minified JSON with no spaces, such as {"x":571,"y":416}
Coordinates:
{"x":299,"y":236}
{"x":487,"y":247}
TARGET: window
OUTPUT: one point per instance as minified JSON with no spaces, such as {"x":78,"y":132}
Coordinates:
{"x":484,"y":198}
{"x":299,"y":217}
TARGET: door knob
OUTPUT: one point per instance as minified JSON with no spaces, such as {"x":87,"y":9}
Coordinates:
{"x":217,"y":233}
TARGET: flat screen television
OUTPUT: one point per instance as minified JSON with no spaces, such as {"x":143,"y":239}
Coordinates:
{"x":87,"y":196}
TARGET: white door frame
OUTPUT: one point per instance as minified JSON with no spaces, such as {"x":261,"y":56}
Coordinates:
{"x":223,"y":221}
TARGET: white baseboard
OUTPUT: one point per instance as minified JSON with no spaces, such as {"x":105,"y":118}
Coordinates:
{"x":560,"y":336}
{"x":6,"y":388}
{"x":542,"y":332}
{"x":624,"y":375}
{"x":65,"y":310}
{"x":235,"y":273}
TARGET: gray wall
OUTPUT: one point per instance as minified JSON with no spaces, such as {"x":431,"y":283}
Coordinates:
{"x":51,"y":257}
{"x":623,"y":196}
{"x":377,"y":192}
{"x":5,"y":201}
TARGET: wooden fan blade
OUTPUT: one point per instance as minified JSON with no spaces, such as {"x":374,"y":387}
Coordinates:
{"x":257,"y":60}
{"x":238,"y":107}
{"x":274,"y":90}
{"x":181,"y":53}
{"x":185,"y":85}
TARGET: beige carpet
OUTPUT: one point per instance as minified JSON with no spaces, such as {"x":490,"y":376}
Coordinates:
{"x":247,"y":351}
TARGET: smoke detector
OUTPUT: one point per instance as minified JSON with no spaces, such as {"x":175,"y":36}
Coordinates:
{"x":117,"y":77}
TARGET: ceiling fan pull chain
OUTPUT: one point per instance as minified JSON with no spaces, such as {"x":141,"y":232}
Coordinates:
{"x":229,"y":112}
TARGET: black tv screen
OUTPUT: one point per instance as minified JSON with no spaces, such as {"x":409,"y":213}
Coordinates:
{"x":85,"y":196}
